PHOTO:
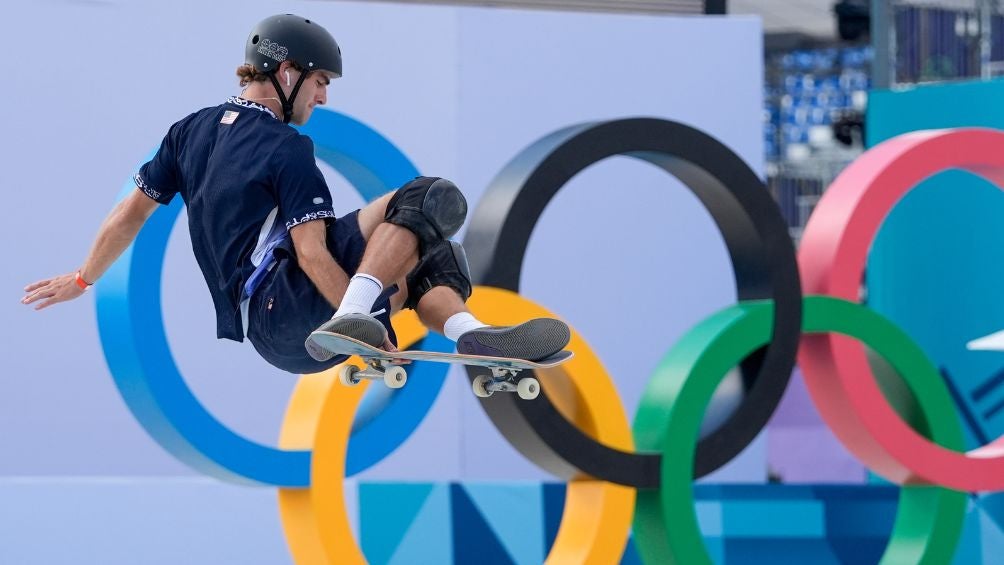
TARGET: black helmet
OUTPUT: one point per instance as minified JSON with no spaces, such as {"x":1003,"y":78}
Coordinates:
{"x":288,"y":37}
{"x":285,"y":36}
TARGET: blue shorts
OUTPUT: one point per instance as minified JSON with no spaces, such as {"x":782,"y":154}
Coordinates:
{"x":287,"y":306}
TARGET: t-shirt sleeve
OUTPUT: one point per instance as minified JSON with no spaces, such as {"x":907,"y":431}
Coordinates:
{"x":301,"y":191}
{"x":158,"y":178}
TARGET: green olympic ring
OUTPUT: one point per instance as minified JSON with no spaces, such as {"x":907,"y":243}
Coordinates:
{"x":929,"y":518}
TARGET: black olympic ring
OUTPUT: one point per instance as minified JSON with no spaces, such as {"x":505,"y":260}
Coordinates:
{"x":756,"y":235}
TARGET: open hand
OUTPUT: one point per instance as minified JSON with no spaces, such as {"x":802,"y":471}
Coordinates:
{"x":51,"y":291}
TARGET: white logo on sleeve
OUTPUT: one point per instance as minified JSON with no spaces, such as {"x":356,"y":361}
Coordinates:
{"x":309,"y":217}
{"x":318,"y":200}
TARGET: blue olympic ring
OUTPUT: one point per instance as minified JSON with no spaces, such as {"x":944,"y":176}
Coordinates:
{"x":131,"y":327}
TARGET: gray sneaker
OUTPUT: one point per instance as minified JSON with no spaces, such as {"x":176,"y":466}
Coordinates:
{"x":363,"y":327}
{"x":533,"y":340}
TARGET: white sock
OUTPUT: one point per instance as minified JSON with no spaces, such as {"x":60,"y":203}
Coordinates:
{"x":459,"y":324}
{"x":359,"y":297}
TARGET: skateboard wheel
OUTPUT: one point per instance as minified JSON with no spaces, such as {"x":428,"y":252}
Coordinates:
{"x":347,"y":375}
{"x":395,"y":377}
{"x":480,"y":386}
{"x":528,"y":388}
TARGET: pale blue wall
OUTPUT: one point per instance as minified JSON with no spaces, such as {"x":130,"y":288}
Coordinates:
{"x":460,"y":92}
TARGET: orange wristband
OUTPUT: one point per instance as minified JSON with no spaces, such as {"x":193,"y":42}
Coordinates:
{"x":84,"y":285}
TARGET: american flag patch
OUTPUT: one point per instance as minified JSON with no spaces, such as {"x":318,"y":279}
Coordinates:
{"x":229,"y":117}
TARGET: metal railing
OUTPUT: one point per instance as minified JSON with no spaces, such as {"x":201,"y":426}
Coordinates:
{"x":938,"y":40}
{"x":797,"y":187}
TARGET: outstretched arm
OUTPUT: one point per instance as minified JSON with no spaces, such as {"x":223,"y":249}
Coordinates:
{"x":117,"y":232}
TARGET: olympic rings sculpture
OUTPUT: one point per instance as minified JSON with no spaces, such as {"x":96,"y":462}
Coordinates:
{"x":578,"y":429}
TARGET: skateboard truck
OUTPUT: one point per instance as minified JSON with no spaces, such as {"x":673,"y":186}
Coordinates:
{"x":505,"y":379}
{"x":394,"y":376}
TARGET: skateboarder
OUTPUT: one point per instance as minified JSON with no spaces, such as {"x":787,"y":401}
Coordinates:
{"x":278,"y":262}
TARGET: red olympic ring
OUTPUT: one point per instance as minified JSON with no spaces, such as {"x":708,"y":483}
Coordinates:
{"x":832,"y":260}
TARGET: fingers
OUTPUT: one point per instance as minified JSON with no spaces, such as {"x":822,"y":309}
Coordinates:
{"x":38,"y":295}
{"x":37,"y":285}
{"x":41,"y":289}
{"x":46,"y":294}
{"x":55,"y":296}
{"x":51,"y":291}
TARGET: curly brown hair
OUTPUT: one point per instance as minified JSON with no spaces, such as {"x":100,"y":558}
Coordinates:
{"x":248,"y":73}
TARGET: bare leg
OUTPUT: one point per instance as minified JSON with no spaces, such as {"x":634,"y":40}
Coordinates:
{"x":370,"y":218}
{"x":438,"y":305}
{"x":391,"y":252}
{"x":372,"y":215}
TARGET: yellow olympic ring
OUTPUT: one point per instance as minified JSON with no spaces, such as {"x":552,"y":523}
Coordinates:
{"x":597,"y":516}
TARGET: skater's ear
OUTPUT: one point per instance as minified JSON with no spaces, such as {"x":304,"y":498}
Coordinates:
{"x":287,"y":75}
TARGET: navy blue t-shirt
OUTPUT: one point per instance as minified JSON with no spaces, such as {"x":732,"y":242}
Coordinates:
{"x":246,"y":179}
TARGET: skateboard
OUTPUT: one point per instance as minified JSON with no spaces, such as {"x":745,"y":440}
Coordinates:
{"x":382,"y":365}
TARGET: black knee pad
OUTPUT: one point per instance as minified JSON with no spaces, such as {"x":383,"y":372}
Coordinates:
{"x":430,"y":207}
{"x":444,"y":264}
